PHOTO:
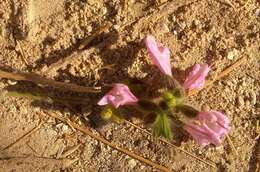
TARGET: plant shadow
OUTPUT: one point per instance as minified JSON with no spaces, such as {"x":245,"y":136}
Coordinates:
{"x":121,"y":57}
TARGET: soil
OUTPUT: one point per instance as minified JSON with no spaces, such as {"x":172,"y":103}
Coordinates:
{"x":217,"y":32}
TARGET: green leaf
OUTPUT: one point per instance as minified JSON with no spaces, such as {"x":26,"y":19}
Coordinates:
{"x":111,"y":113}
{"x":161,"y":126}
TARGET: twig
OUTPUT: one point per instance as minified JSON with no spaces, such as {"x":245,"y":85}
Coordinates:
{"x":63,"y":62}
{"x":171,"y":144}
{"x":45,"y":98}
{"x":232,"y":145}
{"x":86,"y":131}
{"x":16,"y":163}
{"x":24,"y":136}
{"x":32,"y":148}
{"x":103,"y":28}
{"x":224,"y":73}
{"x":257,"y":127}
{"x":227,"y":2}
{"x":70,"y":151}
{"x":256,"y":156}
{"x":22,"y":52}
{"x":44,"y":81}
{"x":247,"y":2}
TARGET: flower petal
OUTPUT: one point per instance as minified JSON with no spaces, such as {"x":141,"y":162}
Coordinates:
{"x":159,"y":54}
{"x":119,"y":95}
{"x":103,"y":101}
{"x":196,"y":77}
{"x":211,"y":128}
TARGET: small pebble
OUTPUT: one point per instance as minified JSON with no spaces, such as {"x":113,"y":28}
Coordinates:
{"x":229,"y":83}
{"x":5,"y":32}
{"x":145,"y":143}
{"x":91,"y":2}
{"x":244,"y":84}
{"x":162,"y":1}
{"x":89,"y":28}
{"x":142,"y":167}
{"x":116,"y":27}
{"x":108,"y":134}
{"x":253,"y":97}
{"x":132,"y":163}
{"x":114,"y":153}
{"x":11,"y":82}
{"x":220,"y":149}
{"x":257,"y":12}
{"x":104,"y":11}
{"x":240,"y":101}
{"x":205,"y":107}
{"x":165,"y":28}
{"x":247,"y":103}
{"x":196,"y":22}
{"x":231,"y":54}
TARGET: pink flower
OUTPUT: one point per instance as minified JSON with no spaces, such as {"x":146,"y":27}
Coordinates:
{"x":211,"y":127}
{"x":159,"y":54}
{"x":196,"y":77}
{"x":119,"y":95}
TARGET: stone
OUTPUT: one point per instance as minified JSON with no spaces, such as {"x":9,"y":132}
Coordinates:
{"x":257,"y":12}
{"x":132,"y":163}
{"x":233,"y":53}
{"x":253,"y":97}
{"x":89,"y":28}
{"x":240,"y":101}
{"x":205,"y":107}
{"x":247,"y":104}
{"x":11,"y":82}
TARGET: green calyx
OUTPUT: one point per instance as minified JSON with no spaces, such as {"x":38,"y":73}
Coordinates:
{"x":111,"y":113}
{"x":171,"y":98}
{"x":159,"y":118}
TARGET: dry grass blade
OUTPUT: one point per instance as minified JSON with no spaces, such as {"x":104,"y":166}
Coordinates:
{"x":70,"y":151}
{"x":257,"y":156}
{"x":224,"y":73}
{"x":172,"y":145}
{"x":37,"y":79}
{"x":28,"y":164}
{"x":24,"y":136}
{"x":232,"y":145}
{"x":86,"y":131}
{"x":22,"y":53}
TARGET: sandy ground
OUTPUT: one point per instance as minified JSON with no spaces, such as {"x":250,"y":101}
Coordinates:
{"x":218,"y":32}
